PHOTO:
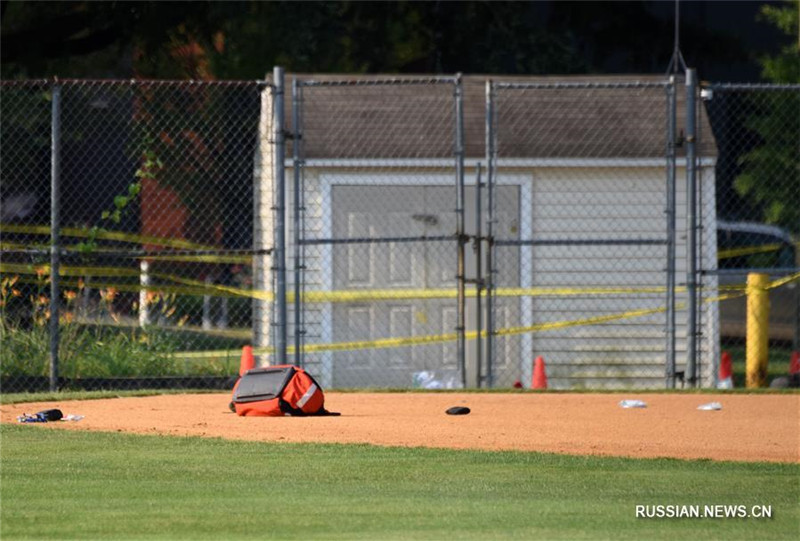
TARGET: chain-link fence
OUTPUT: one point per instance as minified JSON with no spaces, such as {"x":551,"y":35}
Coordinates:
{"x":757,"y":132}
{"x":378,"y":165}
{"x":418,"y":232}
{"x":152,"y":184}
{"x":590,"y":258}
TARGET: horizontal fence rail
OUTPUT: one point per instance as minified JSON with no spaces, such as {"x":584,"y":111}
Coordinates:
{"x":398,"y":232}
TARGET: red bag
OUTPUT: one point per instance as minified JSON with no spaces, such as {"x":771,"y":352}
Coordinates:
{"x":276,"y":391}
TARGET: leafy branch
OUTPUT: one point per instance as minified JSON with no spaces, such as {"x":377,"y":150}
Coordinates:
{"x":151,"y":166}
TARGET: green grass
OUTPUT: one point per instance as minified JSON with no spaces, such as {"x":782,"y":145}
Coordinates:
{"x":60,"y":484}
{"x":777,"y":366}
{"x":87,"y":351}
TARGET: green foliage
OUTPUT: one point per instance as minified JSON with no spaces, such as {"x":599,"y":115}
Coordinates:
{"x":150,"y":166}
{"x":114,"y":216}
{"x":783,"y":67}
{"x":60,"y":484}
{"x":90,"y":346}
{"x":87,"y":351}
{"x":771,"y":171}
{"x":770,"y":175}
{"x":64,"y":396}
{"x":99,"y":352}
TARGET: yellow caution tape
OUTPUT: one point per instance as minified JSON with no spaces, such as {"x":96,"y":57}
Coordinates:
{"x":219,"y":354}
{"x":383,"y":343}
{"x":726,"y":297}
{"x":750,"y":250}
{"x":369,"y":295}
{"x":119,"y":236}
{"x":783,"y":281}
{"x":578,"y":322}
{"x":133,"y":238}
{"x":64,"y":270}
{"x":206,"y":258}
{"x":344,"y":296}
{"x":10,"y":246}
{"x":198,"y":287}
{"x":222,"y":290}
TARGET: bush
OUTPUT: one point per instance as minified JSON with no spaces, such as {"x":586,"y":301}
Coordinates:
{"x":95,"y":347}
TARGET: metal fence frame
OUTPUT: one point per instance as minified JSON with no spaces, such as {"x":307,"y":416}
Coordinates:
{"x":302,"y":242}
{"x":287,"y":339}
{"x":708,"y":91}
{"x":57,"y":251}
{"x":670,"y":88}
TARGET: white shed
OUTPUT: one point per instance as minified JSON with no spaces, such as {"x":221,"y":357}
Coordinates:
{"x":580,"y":256}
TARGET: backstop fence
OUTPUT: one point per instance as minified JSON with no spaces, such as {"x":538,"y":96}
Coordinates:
{"x":431,"y":232}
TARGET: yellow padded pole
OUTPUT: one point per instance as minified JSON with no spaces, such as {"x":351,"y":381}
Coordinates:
{"x":757,"y":349}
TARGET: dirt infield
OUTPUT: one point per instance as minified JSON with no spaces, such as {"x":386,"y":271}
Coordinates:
{"x":748,"y":428}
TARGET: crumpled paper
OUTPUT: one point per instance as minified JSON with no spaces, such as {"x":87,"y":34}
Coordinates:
{"x":711,"y":406}
{"x":627,"y":404}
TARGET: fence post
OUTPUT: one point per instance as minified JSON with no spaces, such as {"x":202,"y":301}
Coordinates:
{"x":691,"y":217}
{"x":670,"y":212}
{"x":296,"y":210}
{"x":796,"y":335}
{"x":459,"y":152}
{"x":55,"y":224}
{"x":264,"y":225}
{"x":144,"y":282}
{"x":478,"y":279}
{"x":490,"y":163}
{"x":757,"y":346}
{"x":278,"y":138}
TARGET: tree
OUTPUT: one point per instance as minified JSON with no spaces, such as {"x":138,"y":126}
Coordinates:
{"x":771,"y":170}
{"x":785,"y":66}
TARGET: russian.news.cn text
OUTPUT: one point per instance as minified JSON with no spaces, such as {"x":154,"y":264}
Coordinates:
{"x":715,"y":511}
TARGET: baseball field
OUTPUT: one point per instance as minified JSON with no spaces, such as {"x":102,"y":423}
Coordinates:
{"x":394,"y":466}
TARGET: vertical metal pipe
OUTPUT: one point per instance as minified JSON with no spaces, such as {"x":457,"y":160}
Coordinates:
{"x":796,"y":337}
{"x":298,"y":359}
{"x":490,"y":163}
{"x":478,"y":278}
{"x":670,"y":212}
{"x":144,"y":282}
{"x":55,"y":225}
{"x":462,"y":239}
{"x":700,"y":251}
{"x":278,"y":138}
{"x":206,"y":321}
{"x":691,"y":226}
{"x":302,"y":197}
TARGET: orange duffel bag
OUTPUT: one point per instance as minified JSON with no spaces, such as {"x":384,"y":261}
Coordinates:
{"x":276,"y":391}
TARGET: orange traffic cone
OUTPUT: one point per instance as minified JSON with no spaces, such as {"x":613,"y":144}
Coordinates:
{"x":539,"y":374}
{"x":248,"y":361}
{"x":794,"y":364}
{"x":725,"y":380}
